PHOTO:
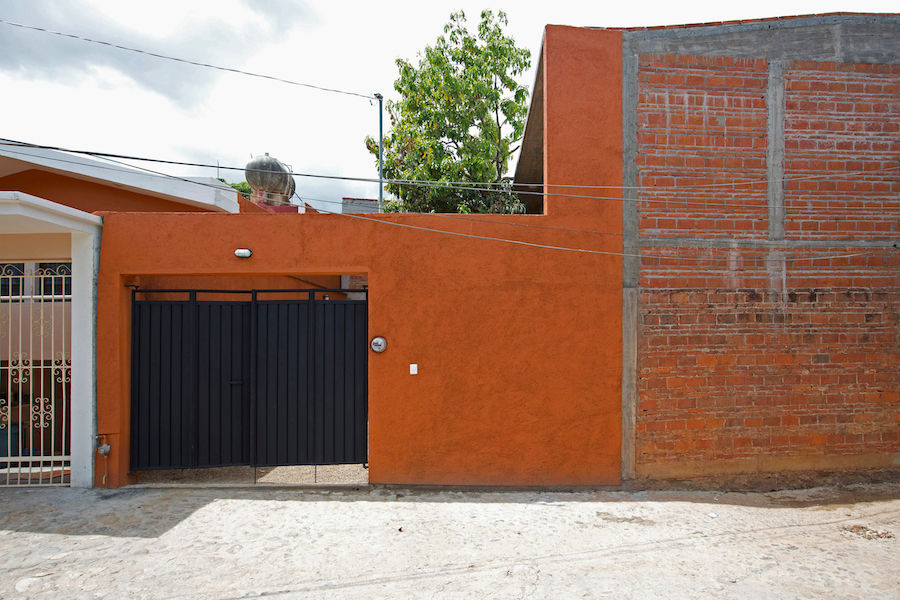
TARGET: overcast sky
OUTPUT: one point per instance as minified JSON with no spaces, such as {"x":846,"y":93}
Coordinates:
{"x":64,"y":92}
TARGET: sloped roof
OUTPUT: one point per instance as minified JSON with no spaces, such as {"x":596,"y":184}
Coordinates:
{"x":201,"y":192}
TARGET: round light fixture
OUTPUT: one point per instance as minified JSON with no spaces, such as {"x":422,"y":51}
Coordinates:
{"x":379,"y":344}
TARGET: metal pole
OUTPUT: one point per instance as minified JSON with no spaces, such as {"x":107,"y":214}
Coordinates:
{"x":380,"y":157}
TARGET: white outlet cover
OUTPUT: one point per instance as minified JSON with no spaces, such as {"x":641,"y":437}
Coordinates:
{"x":413,"y":368}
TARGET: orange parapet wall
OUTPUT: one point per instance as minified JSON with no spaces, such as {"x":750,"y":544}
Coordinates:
{"x":518,"y":347}
{"x":583,"y":122}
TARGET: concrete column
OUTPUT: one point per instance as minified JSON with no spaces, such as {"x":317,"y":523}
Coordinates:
{"x":631,"y":264}
{"x":85,"y":267}
{"x":775,"y":149}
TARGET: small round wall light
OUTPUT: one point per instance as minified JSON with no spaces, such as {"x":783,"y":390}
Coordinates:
{"x":243,"y":252}
{"x":379,"y":344}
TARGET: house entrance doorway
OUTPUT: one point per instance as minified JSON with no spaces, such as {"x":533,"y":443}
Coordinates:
{"x":257,"y":377}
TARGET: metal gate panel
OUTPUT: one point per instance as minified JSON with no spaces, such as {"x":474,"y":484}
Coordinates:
{"x":262,"y":383}
{"x":162,"y":385}
{"x":311,"y":378}
{"x":282,"y":383}
{"x":340,"y":399}
{"x":223,"y":416}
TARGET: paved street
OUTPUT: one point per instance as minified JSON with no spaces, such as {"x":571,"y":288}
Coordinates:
{"x":177,"y":542}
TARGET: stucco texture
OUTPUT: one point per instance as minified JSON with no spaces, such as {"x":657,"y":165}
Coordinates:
{"x":518,"y":348}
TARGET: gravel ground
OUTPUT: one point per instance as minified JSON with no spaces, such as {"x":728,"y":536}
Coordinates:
{"x":178,"y":542}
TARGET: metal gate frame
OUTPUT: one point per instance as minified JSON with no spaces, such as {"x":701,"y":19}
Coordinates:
{"x":36,"y":373}
{"x":154,"y":446}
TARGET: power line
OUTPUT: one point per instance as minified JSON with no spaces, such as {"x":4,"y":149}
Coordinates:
{"x":340,"y":202}
{"x":676,"y":199}
{"x":130,"y":170}
{"x":186,"y":61}
{"x":630,"y":187}
{"x":679,"y":200}
{"x":659,"y":258}
{"x":478,"y":237}
{"x":472,"y":219}
{"x":693,"y":261}
{"x":372,"y":97}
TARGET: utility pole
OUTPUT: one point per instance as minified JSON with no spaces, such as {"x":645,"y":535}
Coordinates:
{"x":380,"y":164}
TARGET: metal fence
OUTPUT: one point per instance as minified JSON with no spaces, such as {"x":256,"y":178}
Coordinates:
{"x":35,"y":373}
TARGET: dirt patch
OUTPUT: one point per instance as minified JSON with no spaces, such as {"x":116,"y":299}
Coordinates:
{"x":611,"y":518}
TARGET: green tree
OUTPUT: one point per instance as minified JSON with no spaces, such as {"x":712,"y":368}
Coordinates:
{"x":460,"y":113}
{"x":243,"y":187}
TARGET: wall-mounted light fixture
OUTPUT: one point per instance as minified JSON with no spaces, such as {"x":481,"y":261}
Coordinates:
{"x":243,"y":252}
{"x":378,"y":344}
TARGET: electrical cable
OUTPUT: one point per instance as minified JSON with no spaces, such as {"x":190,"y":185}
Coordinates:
{"x":470,"y":218}
{"x":130,"y":170}
{"x":694,"y":261}
{"x":368,"y":97}
{"x":667,"y":201}
{"x":466,"y":235}
{"x":186,"y":61}
{"x":642,"y":256}
{"x":339,"y":202}
{"x":625,"y":187}
{"x":505,"y":240}
{"x":446,"y":184}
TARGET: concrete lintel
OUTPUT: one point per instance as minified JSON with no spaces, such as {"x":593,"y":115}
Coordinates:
{"x":839,"y":38}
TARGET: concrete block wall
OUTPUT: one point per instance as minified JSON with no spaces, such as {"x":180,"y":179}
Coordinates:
{"x":766,"y":333}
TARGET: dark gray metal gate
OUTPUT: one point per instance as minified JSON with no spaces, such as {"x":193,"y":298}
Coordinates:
{"x":265,"y":382}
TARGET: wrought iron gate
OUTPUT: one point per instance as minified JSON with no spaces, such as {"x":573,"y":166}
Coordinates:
{"x":277,"y":380}
{"x":35,"y":373}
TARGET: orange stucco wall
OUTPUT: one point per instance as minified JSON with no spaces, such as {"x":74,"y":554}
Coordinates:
{"x":583,"y":122}
{"x":518,"y":348}
{"x":84,"y":195}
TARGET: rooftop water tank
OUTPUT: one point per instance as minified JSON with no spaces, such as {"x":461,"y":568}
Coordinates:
{"x":270,"y":179}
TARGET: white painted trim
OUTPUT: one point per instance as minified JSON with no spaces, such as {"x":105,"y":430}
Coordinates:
{"x":58,"y":217}
{"x":85,"y":267}
{"x":198,"y":192}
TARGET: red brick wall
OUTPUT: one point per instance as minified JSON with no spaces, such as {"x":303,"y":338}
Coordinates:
{"x":702,"y":145}
{"x":754,"y":359}
{"x":842,"y":119}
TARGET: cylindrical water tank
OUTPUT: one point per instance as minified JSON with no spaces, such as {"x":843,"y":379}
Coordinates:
{"x":270,"y":179}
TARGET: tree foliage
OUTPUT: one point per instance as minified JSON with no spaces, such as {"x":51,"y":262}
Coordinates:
{"x":243,"y":187}
{"x":460,"y":114}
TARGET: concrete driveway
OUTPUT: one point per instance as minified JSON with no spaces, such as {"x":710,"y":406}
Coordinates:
{"x":835,"y":542}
